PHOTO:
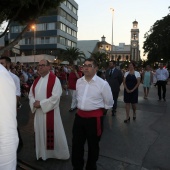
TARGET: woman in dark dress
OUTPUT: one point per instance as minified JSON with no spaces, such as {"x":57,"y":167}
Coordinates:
{"x":131,"y":82}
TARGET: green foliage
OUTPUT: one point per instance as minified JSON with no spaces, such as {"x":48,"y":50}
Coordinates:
{"x":24,"y":11}
{"x":72,"y":54}
{"x":157,"y":43}
{"x":101,"y":58}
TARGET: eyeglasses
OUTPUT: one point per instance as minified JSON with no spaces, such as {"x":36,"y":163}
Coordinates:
{"x":42,"y":65}
{"x":88,"y":65}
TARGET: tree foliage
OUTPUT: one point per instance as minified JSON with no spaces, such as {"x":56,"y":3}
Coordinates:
{"x":157,"y":43}
{"x":101,"y":58}
{"x":25,"y":12}
{"x":71,"y":55}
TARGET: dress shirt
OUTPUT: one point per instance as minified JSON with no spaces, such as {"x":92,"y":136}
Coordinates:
{"x":17,"y":83}
{"x":94,"y":94}
{"x":162,"y":74}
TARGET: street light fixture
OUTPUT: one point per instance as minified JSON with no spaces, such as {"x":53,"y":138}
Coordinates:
{"x":34,"y":50}
{"x":112,"y":10}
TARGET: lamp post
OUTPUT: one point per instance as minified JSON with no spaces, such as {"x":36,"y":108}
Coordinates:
{"x":112,"y":10}
{"x":34,"y":50}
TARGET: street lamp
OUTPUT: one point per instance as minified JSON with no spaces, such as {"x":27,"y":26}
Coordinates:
{"x":34,"y":50}
{"x":112,"y":10}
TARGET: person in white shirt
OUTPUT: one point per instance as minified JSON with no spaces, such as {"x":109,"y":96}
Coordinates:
{"x":6,"y":62}
{"x":8,"y":123}
{"x":93,"y":96}
{"x":162,"y":76}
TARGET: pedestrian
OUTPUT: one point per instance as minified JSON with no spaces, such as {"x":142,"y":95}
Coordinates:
{"x":74,"y":75}
{"x":114,"y":77}
{"x":162,"y":76}
{"x":6,"y":62}
{"x":93,"y":95}
{"x":131,"y":83}
{"x":45,"y":93}
{"x":147,"y":80}
{"x":8,"y":122}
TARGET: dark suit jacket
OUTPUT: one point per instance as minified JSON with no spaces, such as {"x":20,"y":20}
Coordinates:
{"x":115,"y":80}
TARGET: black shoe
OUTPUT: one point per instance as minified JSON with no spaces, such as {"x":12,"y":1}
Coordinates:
{"x":159,"y":100}
{"x":127,"y":120}
{"x":134,"y":118}
{"x":164,"y":100}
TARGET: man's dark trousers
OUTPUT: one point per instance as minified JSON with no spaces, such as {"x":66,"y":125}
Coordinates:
{"x":161,"y":84}
{"x":85,"y":129}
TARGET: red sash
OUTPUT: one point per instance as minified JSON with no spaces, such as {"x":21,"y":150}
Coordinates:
{"x":50,"y":114}
{"x":94,"y":113}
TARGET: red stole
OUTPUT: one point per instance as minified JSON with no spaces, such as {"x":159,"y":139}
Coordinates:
{"x":50,"y":114}
{"x":94,"y":113}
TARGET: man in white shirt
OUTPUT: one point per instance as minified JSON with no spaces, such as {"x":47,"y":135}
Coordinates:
{"x":8,"y":123}
{"x":162,"y":76}
{"x":6,"y":62}
{"x":93,"y":96}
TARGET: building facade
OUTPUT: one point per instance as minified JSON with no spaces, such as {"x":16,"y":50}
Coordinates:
{"x":123,"y":52}
{"x":52,"y":33}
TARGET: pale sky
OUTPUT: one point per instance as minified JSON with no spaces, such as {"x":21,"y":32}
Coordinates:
{"x":95,"y":18}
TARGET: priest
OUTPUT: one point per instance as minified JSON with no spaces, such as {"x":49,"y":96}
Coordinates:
{"x":44,"y":96}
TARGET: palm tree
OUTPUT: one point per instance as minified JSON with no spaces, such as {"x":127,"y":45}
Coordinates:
{"x":101,"y":58}
{"x":72,"y":54}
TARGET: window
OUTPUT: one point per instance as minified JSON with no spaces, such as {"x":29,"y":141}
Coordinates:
{"x":74,"y":21}
{"x":41,"y":27}
{"x":47,"y":40}
{"x":74,"y":33}
{"x":27,"y":41}
{"x":74,"y":44}
{"x":69,"y":5}
{"x":62,"y":40}
{"x":69,"y":18}
{"x":69,"y":43}
{"x":62,"y":27}
{"x":69,"y":30}
{"x":16,"y":29}
{"x":74,"y":10}
{"x":53,"y":40}
{"x":63,"y":13}
{"x":50,"y":26}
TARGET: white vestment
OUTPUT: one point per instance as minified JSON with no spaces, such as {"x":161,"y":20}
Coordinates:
{"x":8,"y":123}
{"x":60,"y":143}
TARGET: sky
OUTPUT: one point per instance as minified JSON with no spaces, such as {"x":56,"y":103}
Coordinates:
{"x":95,"y":19}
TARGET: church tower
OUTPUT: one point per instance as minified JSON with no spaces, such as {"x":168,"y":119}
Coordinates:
{"x":135,"y":53}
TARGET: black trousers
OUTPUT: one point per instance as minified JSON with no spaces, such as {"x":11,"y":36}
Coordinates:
{"x":115,"y":97}
{"x":85,"y":129}
{"x":161,"y":87}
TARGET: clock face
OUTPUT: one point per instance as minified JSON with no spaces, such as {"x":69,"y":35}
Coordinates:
{"x":134,"y":44}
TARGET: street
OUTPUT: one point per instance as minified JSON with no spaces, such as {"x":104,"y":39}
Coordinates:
{"x":143,"y":144}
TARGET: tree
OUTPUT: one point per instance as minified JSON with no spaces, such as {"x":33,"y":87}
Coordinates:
{"x":157,"y":43}
{"x":101,"y":58}
{"x":25,"y":12}
{"x":71,"y":55}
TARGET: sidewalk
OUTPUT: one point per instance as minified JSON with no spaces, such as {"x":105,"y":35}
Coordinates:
{"x":143,"y":144}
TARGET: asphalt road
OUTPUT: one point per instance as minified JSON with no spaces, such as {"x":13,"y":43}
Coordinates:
{"x":143,"y":144}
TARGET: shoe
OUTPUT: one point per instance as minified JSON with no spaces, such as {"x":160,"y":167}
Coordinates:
{"x":159,"y":100}
{"x":164,"y":100}
{"x":127,"y":120}
{"x":134,"y":116}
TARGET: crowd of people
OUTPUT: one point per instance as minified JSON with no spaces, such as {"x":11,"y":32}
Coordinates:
{"x":93,"y":92}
